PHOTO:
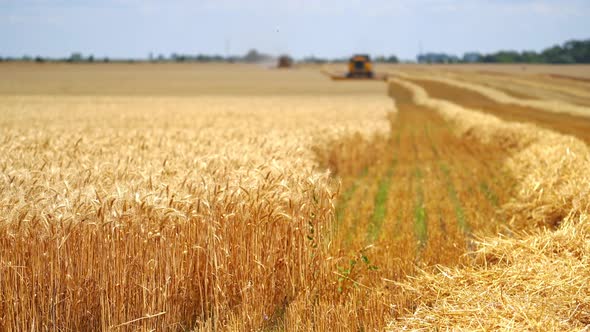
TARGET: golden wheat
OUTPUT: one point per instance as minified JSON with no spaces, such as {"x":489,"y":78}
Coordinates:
{"x":166,"y":213}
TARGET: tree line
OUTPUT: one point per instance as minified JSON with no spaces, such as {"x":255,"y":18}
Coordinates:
{"x":77,"y":57}
{"x":252,"y":56}
{"x":571,"y":52}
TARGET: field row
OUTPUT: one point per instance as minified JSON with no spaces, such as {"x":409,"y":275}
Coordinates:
{"x":421,"y":203}
{"x":561,"y":122}
{"x":549,"y":200}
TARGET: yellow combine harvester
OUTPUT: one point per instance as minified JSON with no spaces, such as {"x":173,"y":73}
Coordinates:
{"x":359,"y":67}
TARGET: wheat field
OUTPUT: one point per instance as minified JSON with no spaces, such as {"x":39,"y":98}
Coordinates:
{"x":237,"y":197}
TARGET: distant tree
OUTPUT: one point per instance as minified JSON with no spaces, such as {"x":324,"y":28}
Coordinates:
{"x":39,"y":59}
{"x":507,"y":57}
{"x":214,"y":58}
{"x":392,"y":59}
{"x":75,"y":57}
{"x":26,"y":58}
{"x":232,"y":58}
{"x":314,"y":59}
{"x":554,"y":54}
{"x":572,"y":51}
{"x":91,"y":58}
{"x":471,"y":57}
{"x":437,"y":58}
{"x":530,"y":57}
{"x":579,"y":50}
{"x":389,"y":59}
{"x":178,"y":57}
{"x":252,"y":56}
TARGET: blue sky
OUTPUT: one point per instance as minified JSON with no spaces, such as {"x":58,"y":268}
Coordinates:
{"x":329,"y":28}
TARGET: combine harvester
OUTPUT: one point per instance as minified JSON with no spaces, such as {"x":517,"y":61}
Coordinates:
{"x":359,"y":67}
{"x":285,"y":61}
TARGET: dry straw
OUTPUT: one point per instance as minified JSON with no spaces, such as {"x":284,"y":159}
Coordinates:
{"x":502,"y":97}
{"x":538,"y":277}
{"x":530,"y":86}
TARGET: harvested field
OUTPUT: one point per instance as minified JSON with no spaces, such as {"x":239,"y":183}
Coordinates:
{"x":567,"y":124}
{"x":577,"y":72}
{"x":234,"y":197}
{"x":431,"y":192}
{"x":532,"y":87}
{"x":509,"y":274}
